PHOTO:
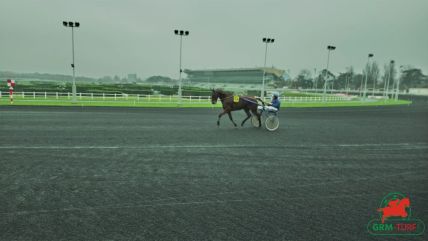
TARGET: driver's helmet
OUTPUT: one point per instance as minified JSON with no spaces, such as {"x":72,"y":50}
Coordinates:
{"x":275,"y":94}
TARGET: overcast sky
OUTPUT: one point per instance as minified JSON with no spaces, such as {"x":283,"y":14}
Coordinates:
{"x":118,"y":37}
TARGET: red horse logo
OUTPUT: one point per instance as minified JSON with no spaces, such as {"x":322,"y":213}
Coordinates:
{"x":395,"y":208}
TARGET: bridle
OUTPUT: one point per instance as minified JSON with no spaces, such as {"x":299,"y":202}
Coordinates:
{"x":221,"y":96}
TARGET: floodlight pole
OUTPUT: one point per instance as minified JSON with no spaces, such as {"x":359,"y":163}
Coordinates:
{"x":264,"y":75}
{"x":329,"y":48}
{"x":73,"y":88}
{"x":386,"y":89}
{"x":347,"y":83}
{"x":315,"y":79}
{"x":72,"y":25}
{"x":367,"y":72}
{"x":398,"y":84}
{"x":266,"y":41}
{"x":390,"y":76}
{"x":180,"y":91}
{"x":180,"y":33}
{"x":374,"y":84}
{"x":385,"y":82}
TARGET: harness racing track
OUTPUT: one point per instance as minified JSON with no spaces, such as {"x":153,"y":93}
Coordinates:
{"x":97,"y":173}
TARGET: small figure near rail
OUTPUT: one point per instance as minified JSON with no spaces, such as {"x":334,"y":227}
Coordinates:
{"x":11,"y":85}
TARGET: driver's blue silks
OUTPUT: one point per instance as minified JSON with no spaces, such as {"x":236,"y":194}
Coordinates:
{"x":276,"y":103}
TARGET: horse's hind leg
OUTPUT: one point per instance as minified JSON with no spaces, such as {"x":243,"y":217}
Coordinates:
{"x":230,"y":117}
{"x":248,"y":116}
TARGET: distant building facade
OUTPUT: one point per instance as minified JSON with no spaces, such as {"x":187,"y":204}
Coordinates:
{"x":242,"y":76}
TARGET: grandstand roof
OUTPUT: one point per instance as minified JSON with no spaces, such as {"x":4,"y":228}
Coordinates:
{"x":273,"y":71}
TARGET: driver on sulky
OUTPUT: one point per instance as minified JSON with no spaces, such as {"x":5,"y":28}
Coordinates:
{"x":275,"y":104}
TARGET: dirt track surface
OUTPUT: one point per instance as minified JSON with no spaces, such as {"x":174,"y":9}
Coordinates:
{"x":172,"y":174}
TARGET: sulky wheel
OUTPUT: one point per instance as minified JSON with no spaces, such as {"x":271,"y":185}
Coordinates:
{"x":272,"y":122}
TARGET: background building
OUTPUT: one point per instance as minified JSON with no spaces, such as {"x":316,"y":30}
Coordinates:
{"x":248,"y":78}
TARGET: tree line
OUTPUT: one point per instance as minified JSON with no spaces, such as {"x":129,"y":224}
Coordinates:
{"x":64,"y":78}
{"x":408,"y":76}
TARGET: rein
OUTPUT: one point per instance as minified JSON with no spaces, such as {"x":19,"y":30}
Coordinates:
{"x":223,"y":97}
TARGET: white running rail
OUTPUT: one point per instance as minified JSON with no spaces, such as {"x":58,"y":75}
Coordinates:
{"x":112,"y":97}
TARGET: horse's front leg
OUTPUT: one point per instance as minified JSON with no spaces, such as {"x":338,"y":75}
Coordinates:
{"x":248,"y":116}
{"x":219,"y":116}
{"x":231,"y":119}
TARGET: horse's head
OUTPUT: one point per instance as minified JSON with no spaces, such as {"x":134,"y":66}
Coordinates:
{"x":214,"y":96}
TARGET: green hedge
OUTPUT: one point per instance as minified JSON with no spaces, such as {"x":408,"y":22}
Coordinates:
{"x":45,"y":86}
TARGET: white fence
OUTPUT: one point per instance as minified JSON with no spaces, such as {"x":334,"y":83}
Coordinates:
{"x":108,"y":97}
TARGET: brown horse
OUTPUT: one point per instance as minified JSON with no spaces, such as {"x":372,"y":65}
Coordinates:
{"x":232,"y":103}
